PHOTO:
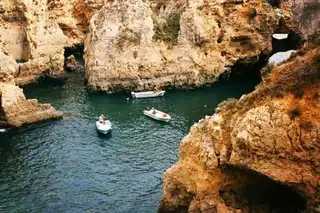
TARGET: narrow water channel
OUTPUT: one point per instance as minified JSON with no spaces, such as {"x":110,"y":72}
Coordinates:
{"x":66,"y":166}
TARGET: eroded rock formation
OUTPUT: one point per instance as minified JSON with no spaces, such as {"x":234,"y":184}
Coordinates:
{"x":259,"y":153}
{"x":273,"y":131}
{"x":307,"y":15}
{"x":15,"y":109}
{"x":35,"y":33}
{"x":138,"y":44}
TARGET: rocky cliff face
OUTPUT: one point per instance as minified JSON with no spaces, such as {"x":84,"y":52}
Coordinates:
{"x":15,"y":109}
{"x":306,"y":13}
{"x":140,"y":44}
{"x":35,"y":33}
{"x":229,"y":160}
{"x":258,"y":153}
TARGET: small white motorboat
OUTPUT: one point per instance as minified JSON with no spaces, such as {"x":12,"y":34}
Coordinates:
{"x":149,"y":94}
{"x":280,"y":36}
{"x":105,"y":127}
{"x":157,"y":115}
{"x":280,"y":57}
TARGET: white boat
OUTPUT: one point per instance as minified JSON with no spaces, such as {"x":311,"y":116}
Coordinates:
{"x":104,"y":128}
{"x":280,"y":36}
{"x":157,"y":115}
{"x":149,"y":94}
{"x":280,"y":57}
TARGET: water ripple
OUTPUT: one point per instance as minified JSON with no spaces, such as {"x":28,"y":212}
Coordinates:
{"x":66,"y":166}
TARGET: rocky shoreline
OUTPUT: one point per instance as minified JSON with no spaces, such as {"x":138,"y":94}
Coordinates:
{"x":268,"y":136}
{"x":136,"y":45}
{"x":272,"y":131}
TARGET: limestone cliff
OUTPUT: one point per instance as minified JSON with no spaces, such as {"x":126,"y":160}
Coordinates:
{"x":36,"y":32}
{"x":138,"y":44}
{"x":15,"y":109}
{"x":306,"y":13}
{"x":228,"y":161}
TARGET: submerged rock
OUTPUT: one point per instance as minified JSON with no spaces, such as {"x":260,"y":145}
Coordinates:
{"x":71,"y":63}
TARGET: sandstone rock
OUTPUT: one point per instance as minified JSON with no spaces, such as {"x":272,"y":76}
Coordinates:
{"x":8,"y":68}
{"x":306,"y":13}
{"x":73,"y":17}
{"x":131,"y":46}
{"x":273,"y":132}
{"x":36,"y":32}
{"x":71,"y":63}
{"x":17,"y":110}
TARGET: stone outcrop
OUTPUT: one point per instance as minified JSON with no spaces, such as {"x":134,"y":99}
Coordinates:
{"x":73,"y":17}
{"x":139,"y":45}
{"x":71,"y":63}
{"x":31,"y":37}
{"x":8,"y":68}
{"x":35,"y":33}
{"x":306,"y":13}
{"x":269,"y":135}
{"x":15,"y":109}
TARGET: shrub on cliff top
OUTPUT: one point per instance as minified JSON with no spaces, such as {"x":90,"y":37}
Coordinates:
{"x":169,"y":30}
{"x":21,"y":60}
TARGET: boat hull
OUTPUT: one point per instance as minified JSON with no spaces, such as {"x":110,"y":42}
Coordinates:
{"x":103,"y":128}
{"x":158,"y":115}
{"x":149,"y":94}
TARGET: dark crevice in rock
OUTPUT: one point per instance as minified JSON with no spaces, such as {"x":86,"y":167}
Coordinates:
{"x":254,"y":193}
{"x":76,"y":50}
{"x":2,"y":117}
{"x":248,"y":68}
{"x":274,"y":3}
{"x":293,"y":42}
{"x":73,"y":58}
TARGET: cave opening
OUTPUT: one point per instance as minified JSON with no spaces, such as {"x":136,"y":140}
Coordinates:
{"x":292,"y":42}
{"x":76,"y":50}
{"x":274,"y":3}
{"x":73,"y":58}
{"x":245,"y":70}
{"x":255,"y":193}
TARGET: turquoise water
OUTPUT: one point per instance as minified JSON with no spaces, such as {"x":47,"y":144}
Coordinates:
{"x":66,"y":166}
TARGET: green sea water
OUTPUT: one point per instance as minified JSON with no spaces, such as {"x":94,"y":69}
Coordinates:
{"x":66,"y":166}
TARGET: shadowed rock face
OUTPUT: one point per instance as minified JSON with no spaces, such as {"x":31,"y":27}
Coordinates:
{"x":307,"y":15}
{"x":273,"y":131}
{"x":137,"y":44}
